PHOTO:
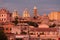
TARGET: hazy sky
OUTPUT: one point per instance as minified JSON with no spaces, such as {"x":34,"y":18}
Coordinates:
{"x":43,"y":6}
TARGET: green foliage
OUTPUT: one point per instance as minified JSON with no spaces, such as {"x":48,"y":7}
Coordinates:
{"x":2,"y":35}
{"x":23,"y":32}
{"x":32,"y":24}
{"x":16,"y":21}
{"x":52,"y":25}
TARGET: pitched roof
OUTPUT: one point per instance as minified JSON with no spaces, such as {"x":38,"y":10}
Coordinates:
{"x":44,"y":29}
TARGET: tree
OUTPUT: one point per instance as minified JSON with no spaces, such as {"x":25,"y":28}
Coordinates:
{"x":16,"y":21}
{"x":53,"y":25}
{"x":23,"y":32}
{"x":32,"y":24}
{"x":3,"y":35}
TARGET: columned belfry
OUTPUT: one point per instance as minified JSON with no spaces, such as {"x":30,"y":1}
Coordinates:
{"x":15,"y":14}
{"x":26,"y":13}
{"x":35,"y":11}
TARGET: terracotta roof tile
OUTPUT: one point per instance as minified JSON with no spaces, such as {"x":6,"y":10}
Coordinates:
{"x":44,"y":29}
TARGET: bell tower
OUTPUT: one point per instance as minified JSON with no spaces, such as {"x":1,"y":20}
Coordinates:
{"x":35,"y":11}
{"x":26,"y":13}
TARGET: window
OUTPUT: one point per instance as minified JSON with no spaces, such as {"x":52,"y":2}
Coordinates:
{"x":16,"y":32}
{"x":42,"y":33}
{"x":2,"y":19}
{"x":24,"y":28}
{"x":31,"y":33}
{"x":12,"y":39}
{"x":10,"y":29}
{"x":2,"y":15}
{"x":6,"y":28}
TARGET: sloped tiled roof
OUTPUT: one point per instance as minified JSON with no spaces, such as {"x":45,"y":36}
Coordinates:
{"x":44,"y":29}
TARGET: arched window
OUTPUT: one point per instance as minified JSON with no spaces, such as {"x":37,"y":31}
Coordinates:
{"x":6,"y":28}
